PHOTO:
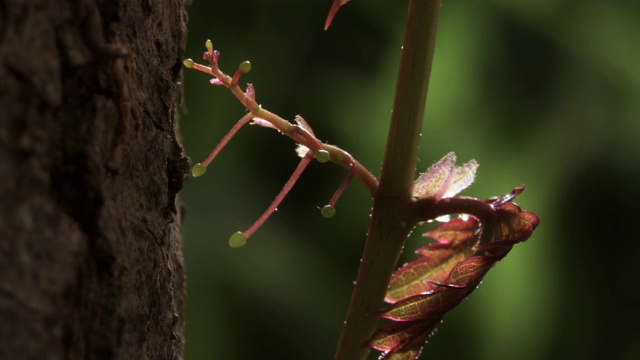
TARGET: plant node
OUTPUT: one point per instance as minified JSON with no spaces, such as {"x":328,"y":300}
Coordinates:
{"x":256,"y":109}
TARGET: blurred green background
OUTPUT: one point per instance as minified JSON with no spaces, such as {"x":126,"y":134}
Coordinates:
{"x":545,"y":93}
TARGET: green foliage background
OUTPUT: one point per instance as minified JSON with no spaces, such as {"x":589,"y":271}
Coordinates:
{"x":538,"y":92}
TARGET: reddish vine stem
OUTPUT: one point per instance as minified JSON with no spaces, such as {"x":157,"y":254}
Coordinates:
{"x":427,"y":209}
{"x":344,"y":159}
{"x":485,"y":213}
{"x":285,"y":190}
{"x":342,"y":187}
{"x":295,"y":132}
{"x":242,"y":122}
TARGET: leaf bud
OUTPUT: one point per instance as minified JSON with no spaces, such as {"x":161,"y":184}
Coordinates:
{"x":245,"y":67}
{"x":188,"y":63}
{"x":328,"y":211}
{"x":237,"y":240}
{"x":198,"y":170}
{"x":322,"y":156}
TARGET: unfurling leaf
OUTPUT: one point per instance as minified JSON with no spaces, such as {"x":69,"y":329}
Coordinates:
{"x":402,"y":340}
{"x":444,"y":179}
{"x":455,"y":241}
{"x":422,"y":291}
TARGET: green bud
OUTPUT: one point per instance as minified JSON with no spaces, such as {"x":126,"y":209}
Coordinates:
{"x":237,"y":240}
{"x":188,"y":63}
{"x":198,"y":170}
{"x":245,"y":67}
{"x":209,"y":45}
{"x":328,"y":211}
{"x":322,"y":156}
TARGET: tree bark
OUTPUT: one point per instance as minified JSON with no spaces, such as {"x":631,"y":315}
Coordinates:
{"x":90,"y":166}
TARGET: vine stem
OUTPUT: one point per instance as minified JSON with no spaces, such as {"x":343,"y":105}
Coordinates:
{"x":297,"y":133}
{"x":392,"y":219}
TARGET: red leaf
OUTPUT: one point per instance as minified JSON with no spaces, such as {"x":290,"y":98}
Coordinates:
{"x":422,"y":291}
{"x":402,"y":340}
{"x":453,"y":231}
{"x":462,"y":280}
{"x":456,"y":239}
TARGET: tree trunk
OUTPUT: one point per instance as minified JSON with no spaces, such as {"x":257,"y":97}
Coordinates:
{"x":90,"y":165}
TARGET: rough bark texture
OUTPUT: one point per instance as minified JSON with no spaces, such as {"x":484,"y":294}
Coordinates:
{"x":90,"y":252}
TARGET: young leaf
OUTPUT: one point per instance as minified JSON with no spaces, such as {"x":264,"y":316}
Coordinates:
{"x":444,"y":179}
{"x":424,"y":290}
{"x":456,"y":239}
{"x":403,"y":340}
